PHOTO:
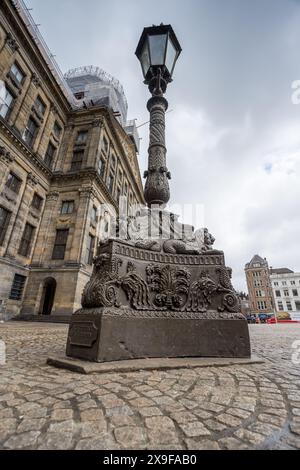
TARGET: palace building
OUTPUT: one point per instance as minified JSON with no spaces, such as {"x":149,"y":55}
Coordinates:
{"x":66,"y":148}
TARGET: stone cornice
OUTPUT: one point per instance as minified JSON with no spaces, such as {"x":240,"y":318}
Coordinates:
{"x":82,"y":174}
{"x":16,"y":140}
{"x":117,"y":130}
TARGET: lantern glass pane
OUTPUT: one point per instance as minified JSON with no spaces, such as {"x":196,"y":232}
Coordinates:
{"x":171,"y":56}
{"x":145,"y":60}
{"x":157,"y":49}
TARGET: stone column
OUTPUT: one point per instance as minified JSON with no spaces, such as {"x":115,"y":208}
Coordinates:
{"x":6,"y":159}
{"x":43,"y":248}
{"x":21,"y":217}
{"x":157,"y":186}
{"x":82,"y":225}
{"x":94,"y":143}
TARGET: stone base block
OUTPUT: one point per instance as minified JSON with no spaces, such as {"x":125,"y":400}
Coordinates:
{"x":105,"y":335}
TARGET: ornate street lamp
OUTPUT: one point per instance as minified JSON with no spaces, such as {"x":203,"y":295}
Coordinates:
{"x":158,"y":50}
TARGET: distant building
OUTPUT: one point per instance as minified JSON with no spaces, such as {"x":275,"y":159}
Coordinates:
{"x":286,"y":290}
{"x":245,"y":303}
{"x":259,"y":286}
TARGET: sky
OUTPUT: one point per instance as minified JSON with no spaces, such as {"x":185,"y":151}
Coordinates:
{"x":233,"y":133}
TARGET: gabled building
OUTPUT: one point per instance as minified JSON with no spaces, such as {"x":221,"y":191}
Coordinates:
{"x":259,"y":286}
{"x":66,"y":148}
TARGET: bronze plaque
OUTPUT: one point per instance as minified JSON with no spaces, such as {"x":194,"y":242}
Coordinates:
{"x":83,"y":333}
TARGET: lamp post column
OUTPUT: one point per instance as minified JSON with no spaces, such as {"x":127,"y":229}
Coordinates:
{"x":157,"y":189}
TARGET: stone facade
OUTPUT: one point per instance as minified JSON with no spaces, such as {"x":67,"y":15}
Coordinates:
{"x":259,"y":286}
{"x":58,"y":165}
{"x":286,"y":291}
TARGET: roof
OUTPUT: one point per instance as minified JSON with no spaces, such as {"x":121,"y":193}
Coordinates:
{"x":257,"y":260}
{"x":281,"y":271}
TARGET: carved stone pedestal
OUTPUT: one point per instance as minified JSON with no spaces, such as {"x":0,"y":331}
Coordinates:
{"x":111,"y":334}
{"x":141,"y":303}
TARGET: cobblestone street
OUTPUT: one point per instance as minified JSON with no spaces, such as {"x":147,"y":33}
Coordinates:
{"x":236,"y":407}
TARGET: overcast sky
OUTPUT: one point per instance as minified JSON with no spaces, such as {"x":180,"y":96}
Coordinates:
{"x":233,"y":136}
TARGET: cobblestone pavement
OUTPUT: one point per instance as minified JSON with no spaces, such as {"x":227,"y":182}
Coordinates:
{"x":236,"y":407}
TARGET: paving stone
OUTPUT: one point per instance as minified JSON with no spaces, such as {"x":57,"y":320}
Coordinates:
{"x":31,"y":425}
{"x":129,"y":436}
{"x":161,"y":430}
{"x":201,"y":445}
{"x":93,"y":428}
{"x":149,"y":411}
{"x":62,"y":414}
{"x":21,"y":441}
{"x":230,"y":443}
{"x":62,"y":426}
{"x":92,"y":415}
{"x":215,"y":425}
{"x":194,"y":429}
{"x":276,"y":420}
{"x":55,"y":441}
{"x":252,"y":437}
{"x":229,"y":420}
{"x":183,"y":417}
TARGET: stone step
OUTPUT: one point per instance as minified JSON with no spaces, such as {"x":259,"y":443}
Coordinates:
{"x":44,"y":318}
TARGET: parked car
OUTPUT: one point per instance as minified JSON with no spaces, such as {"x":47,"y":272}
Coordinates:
{"x":251,"y":319}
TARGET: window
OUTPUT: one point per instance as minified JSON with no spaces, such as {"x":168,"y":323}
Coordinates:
{"x":60,"y":244}
{"x":49,"y":157}
{"x":293,"y":283}
{"x":40,"y":106}
{"x":278,"y":293}
{"x":13,"y":183}
{"x":101,"y":167}
{"x":94,"y":214}
{"x":295,"y":292}
{"x":289,"y":306}
{"x":26,"y":240}
{"x":17,"y":287}
{"x":104,"y":145}
{"x":118,"y":195}
{"x":276,"y":284}
{"x":77,"y":160}
{"x":81,"y":137}
{"x":90,"y":249}
{"x":280,"y":306}
{"x":284,"y":283}
{"x":262,"y":305}
{"x":6,"y":107}
{"x":113,"y":162}
{"x":120,"y":177}
{"x":37,"y":201}
{"x":31,"y":132}
{"x":297,"y":305}
{"x":111,"y":183}
{"x":4,"y":221}
{"x":57,"y":130}
{"x":67,"y":207}
{"x":16,"y":74}
{"x":286,"y":293}
{"x":79,"y":95}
